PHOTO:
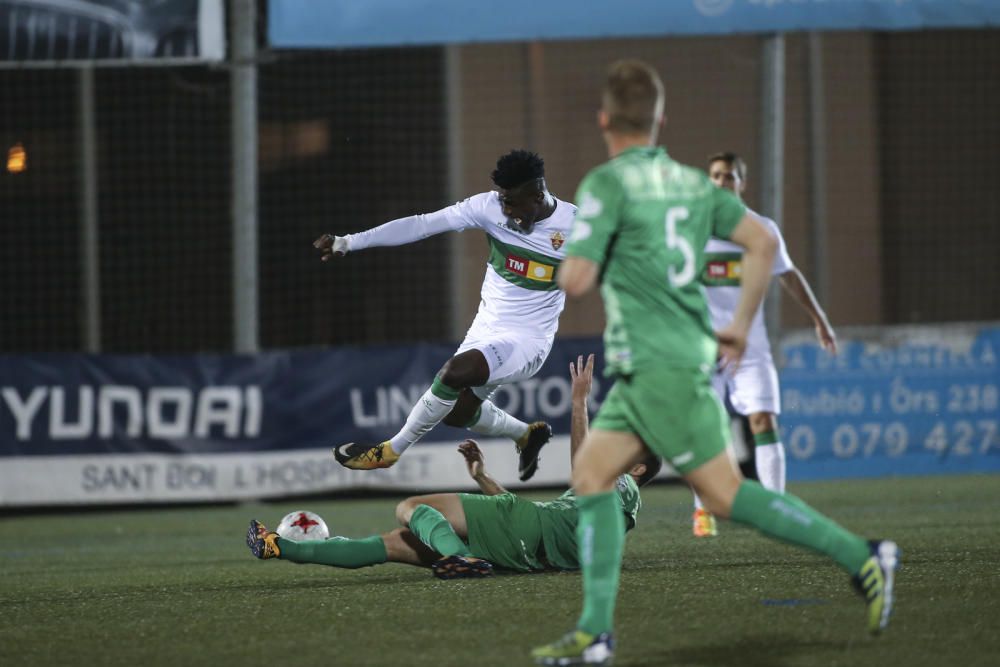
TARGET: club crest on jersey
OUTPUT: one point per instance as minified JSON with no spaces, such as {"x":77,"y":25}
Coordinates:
{"x":557,"y":238}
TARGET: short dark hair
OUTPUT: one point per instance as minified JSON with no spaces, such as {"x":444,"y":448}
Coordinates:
{"x":517,"y":168}
{"x":733,"y":160}
{"x":632,"y":97}
{"x":653,"y":465}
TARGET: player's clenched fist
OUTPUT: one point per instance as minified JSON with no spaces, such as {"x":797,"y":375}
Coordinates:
{"x":330,"y":246}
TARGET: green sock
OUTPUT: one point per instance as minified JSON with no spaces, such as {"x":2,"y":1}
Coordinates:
{"x":336,"y":551}
{"x":443,"y":391}
{"x":600,"y":538}
{"x":765,"y":438}
{"x":434,"y":530}
{"x":785,"y":517}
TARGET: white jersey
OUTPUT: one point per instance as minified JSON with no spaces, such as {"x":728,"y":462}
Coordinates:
{"x":723,"y":265}
{"x":519,"y":291}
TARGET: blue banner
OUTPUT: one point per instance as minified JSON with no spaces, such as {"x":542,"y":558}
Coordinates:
{"x":81,"y":429}
{"x":113,"y":429}
{"x":291,"y":400}
{"x":895,"y":401}
{"x":370,"y":23}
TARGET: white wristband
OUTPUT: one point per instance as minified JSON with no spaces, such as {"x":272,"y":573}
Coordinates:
{"x":341,"y":245}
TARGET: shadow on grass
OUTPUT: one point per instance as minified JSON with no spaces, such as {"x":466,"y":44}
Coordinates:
{"x":761,"y":651}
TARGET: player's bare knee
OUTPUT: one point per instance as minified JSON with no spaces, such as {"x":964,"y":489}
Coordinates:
{"x":404,"y":510}
{"x":394,"y":536}
{"x":452,"y":376}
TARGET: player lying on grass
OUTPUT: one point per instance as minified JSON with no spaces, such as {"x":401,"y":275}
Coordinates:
{"x":464,"y":534}
{"x":518,"y":314}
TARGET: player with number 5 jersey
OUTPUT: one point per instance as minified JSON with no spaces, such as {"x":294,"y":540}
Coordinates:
{"x":656,"y":311}
{"x":643,"y":221}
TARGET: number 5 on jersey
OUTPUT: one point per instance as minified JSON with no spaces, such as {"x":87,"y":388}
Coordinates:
{"x":679,"y":278}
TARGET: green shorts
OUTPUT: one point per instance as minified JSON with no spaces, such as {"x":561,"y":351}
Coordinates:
{"x":673,"y":410}
{"x":504,"y":530}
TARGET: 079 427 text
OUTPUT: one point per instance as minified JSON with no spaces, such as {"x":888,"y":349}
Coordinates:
{"x":847,"y":440}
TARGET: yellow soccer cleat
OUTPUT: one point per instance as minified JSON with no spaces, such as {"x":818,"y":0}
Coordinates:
{"x":528,"y":447}
{"x":262,"y":542}
{"x":875,"y":581}
{"x":703,"y":524}
{"x":362,"y":457}
{"x":577,"y":648}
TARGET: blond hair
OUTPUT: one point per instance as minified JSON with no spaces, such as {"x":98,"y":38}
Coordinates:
{"x":632,"y":97}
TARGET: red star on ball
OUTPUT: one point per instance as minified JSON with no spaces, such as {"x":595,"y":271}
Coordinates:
{"x":304,"y":522}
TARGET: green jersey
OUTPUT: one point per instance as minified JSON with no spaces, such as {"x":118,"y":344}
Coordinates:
{"x":559,"y":518}
{"x":645,"y":219}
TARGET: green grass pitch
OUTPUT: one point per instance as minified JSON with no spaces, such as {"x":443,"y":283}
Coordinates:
{"x":179,"y":587}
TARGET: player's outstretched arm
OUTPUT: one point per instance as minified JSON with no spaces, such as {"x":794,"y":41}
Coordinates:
{"x":758,"y":258}
{"x":583,"y":378}
{"x":476,"y":463}
{"x":796,"y":284}
{"x":401,"y":231}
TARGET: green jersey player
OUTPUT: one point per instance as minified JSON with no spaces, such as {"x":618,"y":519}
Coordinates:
{"x":464,"y":534}
{"x":642,"y":224}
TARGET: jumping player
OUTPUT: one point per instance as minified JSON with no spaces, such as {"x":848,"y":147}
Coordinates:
{"x":512,"y":334}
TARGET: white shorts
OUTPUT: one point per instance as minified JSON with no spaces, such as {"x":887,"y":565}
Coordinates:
{"x":512,"y":356}
{"x":752,"y":388}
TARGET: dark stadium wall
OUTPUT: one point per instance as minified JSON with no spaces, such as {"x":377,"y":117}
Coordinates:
{"x":940,"y":140}
{"x":548,"y":97}
{"x":352,"y":138}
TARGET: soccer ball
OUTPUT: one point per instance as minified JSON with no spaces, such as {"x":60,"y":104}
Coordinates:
{"x":303,"y":525}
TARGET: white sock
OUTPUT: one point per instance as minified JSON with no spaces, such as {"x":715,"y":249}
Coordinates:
{"x":424,"y":416}
{"x":770,"y":460}
{"x":494,"y":421}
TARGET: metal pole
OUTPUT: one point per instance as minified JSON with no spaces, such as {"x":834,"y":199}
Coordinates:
{"x":244,"y":159}
{"x":817,"y":169}
{"x":89,"y":246}
{"x":772,"y":154}
{"x":455,"y":185}
{"x":527,"y":101}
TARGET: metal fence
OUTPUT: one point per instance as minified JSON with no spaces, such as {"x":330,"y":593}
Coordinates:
{"x":905,"y":132}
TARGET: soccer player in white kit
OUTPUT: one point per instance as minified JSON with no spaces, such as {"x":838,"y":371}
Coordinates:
{"x":752,"y":388}
{"x":511,"y":336}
